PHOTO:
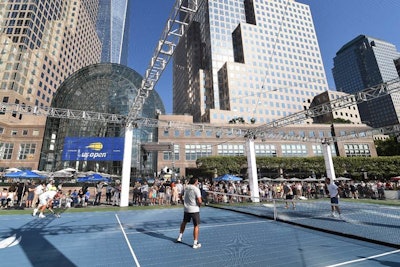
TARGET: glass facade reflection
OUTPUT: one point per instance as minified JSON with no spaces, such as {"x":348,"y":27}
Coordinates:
{"x":363,"y":62}
{"x":113,"y":28}
{"x":106,"y":88}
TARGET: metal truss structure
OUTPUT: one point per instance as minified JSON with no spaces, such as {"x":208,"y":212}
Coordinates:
{"x":337,"y":104}
{"x":263,"y":132}
{"x":175,"y":28}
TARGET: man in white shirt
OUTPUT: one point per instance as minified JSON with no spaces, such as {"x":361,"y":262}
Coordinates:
{"x":39,"y":189}
{"x":334,"y":191}
{"x":192,"y":202}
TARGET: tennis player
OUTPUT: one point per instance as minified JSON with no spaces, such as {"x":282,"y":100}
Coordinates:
{"x":46,"y":201}
{"x":334,"y":191}
{"x":191,"y":201}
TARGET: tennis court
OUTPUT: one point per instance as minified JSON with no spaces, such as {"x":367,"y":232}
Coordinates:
{"x":146,"y":238}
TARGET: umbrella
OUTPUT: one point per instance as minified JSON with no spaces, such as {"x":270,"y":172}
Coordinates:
{"x":397,"y":178}
{"x":24,"y":175}
{"x":310,"y":179}
{"x":62,"y":174}
{"x":69,"y":170}
{"x":227,"y":177}
{"x":295,"y":179}
{"x":280,"y":179}
{"x":94,"y":178}
{"x":12,"y":170}
{"x":266,"y":179}
{"x":343,"y":179}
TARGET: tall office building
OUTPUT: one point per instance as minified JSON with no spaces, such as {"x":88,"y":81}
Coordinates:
{"x":42,"y":42}
{"x":364,"y":62}
{"x":258,"y":60}
{"x":113,"y":27}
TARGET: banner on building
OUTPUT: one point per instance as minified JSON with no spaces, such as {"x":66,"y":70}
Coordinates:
{"x":93,"y":148}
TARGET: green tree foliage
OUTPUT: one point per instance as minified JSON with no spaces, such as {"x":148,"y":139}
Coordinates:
{"x":341,"y":120}
{"x":354,"y":167}
{"x":388,"y":147}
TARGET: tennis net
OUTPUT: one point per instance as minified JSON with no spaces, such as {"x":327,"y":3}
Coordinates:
{"x":370,"y":222}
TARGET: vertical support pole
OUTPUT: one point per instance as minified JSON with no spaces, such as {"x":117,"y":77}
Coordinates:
{"x":330,"y":171}
{"x":126,"y":166}
{"x":252,"y":170}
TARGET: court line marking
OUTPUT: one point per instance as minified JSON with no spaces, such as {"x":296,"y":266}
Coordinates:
{"x":201,"y":225}
{"x":364,"y":259}
{"x":127,"y":242}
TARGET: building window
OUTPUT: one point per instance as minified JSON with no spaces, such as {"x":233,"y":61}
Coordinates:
{"x":6,"y":150}
{"x":24,"y":132}
{"x":193,"y":152}
{"x":25,"y":150}
{"x":167,"y":155}
{"x":357,"y":150}
{"x":231,"y":150}
{"x":166,"y":132}
{"x":14,"y":132}
{"x":265,"y":150}
{"x":294,"y":150}
{"x":35,"y":133}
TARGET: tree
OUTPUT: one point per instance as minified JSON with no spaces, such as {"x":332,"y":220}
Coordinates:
{"x":388,"y":147}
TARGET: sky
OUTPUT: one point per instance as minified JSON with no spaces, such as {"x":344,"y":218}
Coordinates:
{"x":336,"y":22}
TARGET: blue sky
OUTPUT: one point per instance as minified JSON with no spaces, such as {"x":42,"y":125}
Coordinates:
{"x":336,"y":22}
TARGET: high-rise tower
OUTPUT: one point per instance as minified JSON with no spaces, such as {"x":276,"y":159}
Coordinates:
{"x":364,"y":62}
{"x":113,"y":27}
{"x":42,"y":42}
{"x":258,"y":60}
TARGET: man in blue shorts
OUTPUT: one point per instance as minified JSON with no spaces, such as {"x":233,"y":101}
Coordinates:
{"x":334,"y":191}
{"x":191,"y":197}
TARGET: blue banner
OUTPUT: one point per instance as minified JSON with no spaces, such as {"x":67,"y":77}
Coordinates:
{"x":93,"y":148}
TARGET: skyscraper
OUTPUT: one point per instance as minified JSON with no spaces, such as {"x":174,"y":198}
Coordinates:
{"x":258,"y":60}
{"x":113,"y":27}
{"x":364,"y":62}
{"x":43,"y":42}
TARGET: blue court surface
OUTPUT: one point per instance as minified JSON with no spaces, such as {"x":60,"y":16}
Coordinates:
{"x":146,"y":238}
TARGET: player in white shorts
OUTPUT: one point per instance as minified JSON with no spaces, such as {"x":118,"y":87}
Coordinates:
{"x":46,"y":201}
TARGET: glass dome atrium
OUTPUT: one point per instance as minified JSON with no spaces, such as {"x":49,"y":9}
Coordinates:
{"x":105,"y":88}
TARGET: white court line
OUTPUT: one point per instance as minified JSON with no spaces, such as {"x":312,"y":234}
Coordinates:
{"x":365,"y":259}
{"x":127,"y":241}
{"x":202,"y":226}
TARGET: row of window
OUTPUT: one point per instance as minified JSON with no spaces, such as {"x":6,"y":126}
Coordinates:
{"x":193,"y":152}
{"x":23,"y":132}
{"x":238,"y":132}
{"x":25,"y":151}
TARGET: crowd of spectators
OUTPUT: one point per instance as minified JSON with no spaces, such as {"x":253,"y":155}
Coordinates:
{"x":25,"y":194}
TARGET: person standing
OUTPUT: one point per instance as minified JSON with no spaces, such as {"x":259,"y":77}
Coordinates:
{"x":39,"y":189}
{"x":98,"y":189}
{"x":191,"y":197}
{"x":31,"y":194}
{"x":333,"y":191}
{"x":288,"y":191}
{"x":109,"y":190}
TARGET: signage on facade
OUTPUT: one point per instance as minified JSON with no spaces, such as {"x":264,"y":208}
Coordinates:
{"x":93,"y":148}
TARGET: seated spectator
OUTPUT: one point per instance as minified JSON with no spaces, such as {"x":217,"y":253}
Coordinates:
{"x":3,"y":197}
{"x":74,"y":197}
{"x":68,"y":199}
{"x":11,"y":198}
